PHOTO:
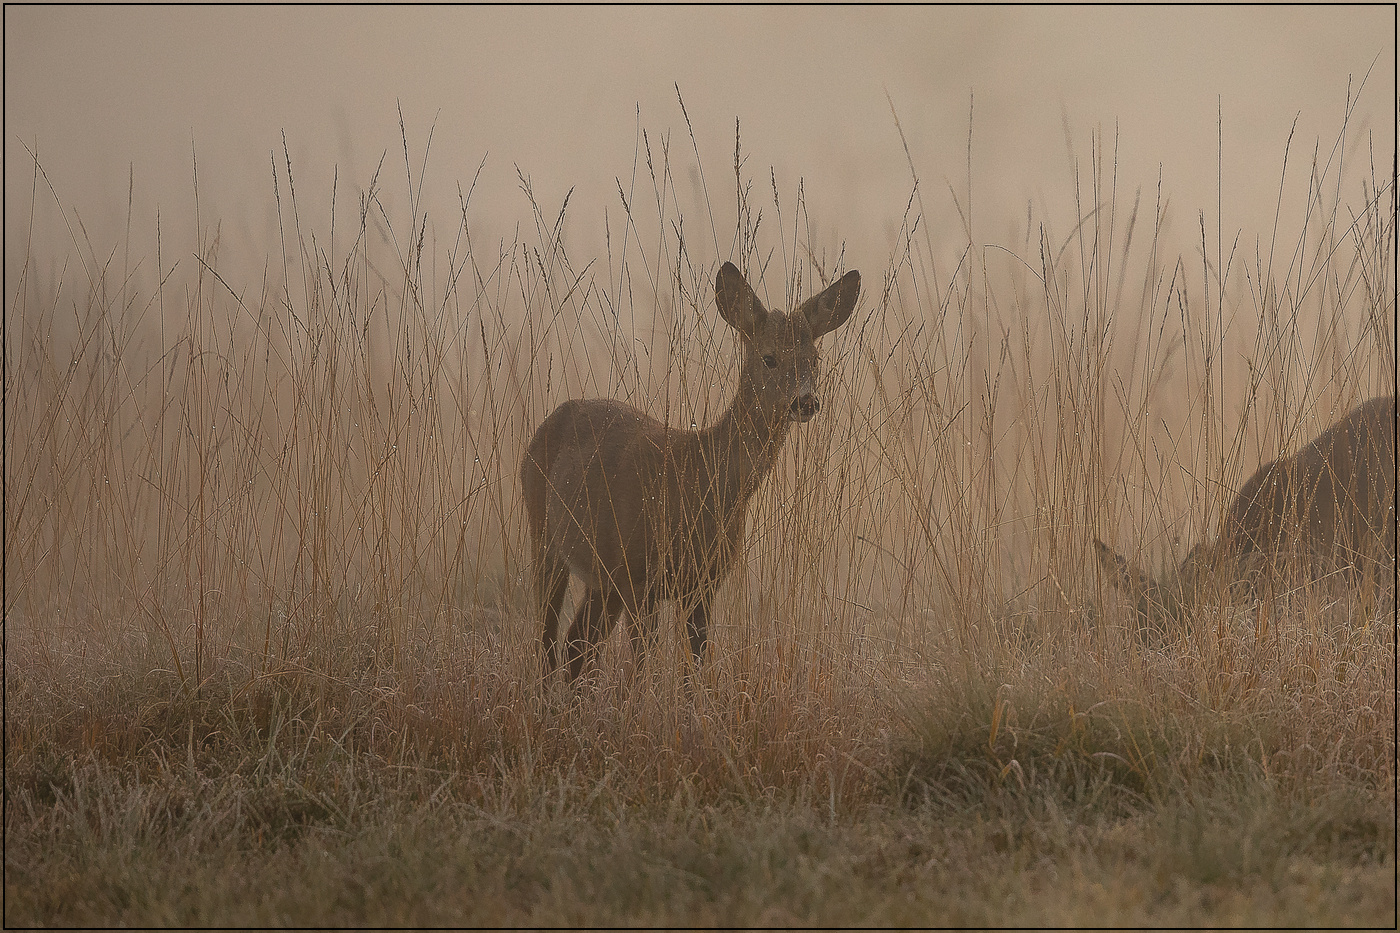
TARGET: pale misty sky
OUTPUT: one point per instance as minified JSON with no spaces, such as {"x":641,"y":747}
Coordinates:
{"x":111,"y":94}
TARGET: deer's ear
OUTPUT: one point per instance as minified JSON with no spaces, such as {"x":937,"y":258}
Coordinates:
{"x":829,"y":309}
{"x":737,"y":303}
{"x":1120,"y":573}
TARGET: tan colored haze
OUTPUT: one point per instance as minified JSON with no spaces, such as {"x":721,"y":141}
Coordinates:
{"x":113,"y":99}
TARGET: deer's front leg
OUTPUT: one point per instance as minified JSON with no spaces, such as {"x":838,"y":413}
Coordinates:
{"x":697,"y":625}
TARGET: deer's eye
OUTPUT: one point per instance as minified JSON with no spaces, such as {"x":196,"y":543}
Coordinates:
{"x":770,"y":361}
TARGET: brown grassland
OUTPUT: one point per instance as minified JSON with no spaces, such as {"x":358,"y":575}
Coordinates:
{"x":269,"y":651}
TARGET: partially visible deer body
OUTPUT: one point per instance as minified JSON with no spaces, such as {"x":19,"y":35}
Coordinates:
{"x":1329,"y":507}
{"x":645,"y":513}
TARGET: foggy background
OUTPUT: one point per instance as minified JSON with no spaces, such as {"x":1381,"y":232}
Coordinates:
{"x":113,"y":99}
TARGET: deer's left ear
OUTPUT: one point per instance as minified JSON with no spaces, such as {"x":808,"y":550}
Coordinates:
{"x":829,"y":310}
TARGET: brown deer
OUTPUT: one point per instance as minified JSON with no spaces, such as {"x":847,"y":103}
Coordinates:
{"x":1329,"y":507}
{"x":645,"y":513}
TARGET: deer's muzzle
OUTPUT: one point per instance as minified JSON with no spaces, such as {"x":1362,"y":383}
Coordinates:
{"x":804,"y":407}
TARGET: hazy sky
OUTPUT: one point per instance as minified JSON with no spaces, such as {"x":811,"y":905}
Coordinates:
{"x":108,"y":93}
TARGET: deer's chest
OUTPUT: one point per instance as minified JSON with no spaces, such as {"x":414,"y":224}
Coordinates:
{"x":696,"y":539}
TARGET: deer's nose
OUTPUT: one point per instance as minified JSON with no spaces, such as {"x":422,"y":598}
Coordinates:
{"x":804,"y":407}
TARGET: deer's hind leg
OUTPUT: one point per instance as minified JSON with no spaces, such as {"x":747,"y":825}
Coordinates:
{"x":551,"y":581}
{"x":551,"y":574}
{"x":591,"y":625}
{"x":697,"y":624}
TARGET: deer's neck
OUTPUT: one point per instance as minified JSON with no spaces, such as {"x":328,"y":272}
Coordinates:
{"x":740,"y":448}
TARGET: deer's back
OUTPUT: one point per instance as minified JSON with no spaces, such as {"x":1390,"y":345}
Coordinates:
{"x":1335,"y":497}
{"x":627,"y":502}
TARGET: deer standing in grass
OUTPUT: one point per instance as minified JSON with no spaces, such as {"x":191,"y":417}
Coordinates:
{"x":1329,"y":507}
{"x":645,"y":513}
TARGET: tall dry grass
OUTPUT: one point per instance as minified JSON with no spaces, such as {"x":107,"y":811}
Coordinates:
{"x":264,"y":540}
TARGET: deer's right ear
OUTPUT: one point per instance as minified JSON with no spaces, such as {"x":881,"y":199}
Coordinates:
{"x":737,"y":303}
{"x":830,"y":309}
